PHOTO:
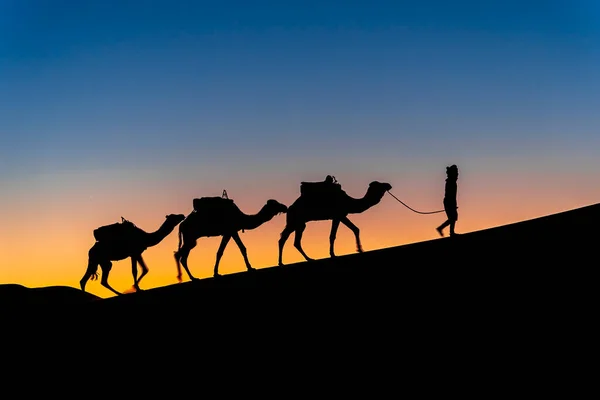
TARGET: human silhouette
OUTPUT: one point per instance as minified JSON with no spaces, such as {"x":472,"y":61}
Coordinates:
{"x":219,"y":216}
{"x":450,"y":203}
{"x":325,"y":200}
{"x":122,"y":240}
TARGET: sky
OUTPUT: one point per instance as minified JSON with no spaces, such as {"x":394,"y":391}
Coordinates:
{"x":133,"y":108}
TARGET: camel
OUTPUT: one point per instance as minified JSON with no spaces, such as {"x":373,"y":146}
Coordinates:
{"x":132,"y":245}
{"x":222,"y":218}
{"x":331,"y":204}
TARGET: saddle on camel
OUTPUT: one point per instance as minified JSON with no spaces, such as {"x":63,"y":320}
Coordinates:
{"x":214,"y":208}
{"x":329,"y":187}
{"x":213,"y":204}
{"x":116,"y":231}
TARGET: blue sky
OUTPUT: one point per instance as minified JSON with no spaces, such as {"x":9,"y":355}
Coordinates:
{"x":160,"y":83}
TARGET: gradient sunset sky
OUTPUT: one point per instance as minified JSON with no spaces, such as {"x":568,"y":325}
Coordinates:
{"x":133,"y":108}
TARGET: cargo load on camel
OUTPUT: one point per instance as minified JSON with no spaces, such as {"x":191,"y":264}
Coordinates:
{"x":116,"y":231}
{"x":212,"y":203}
{"x":214,"y":211}
{"x":215,"y":205}
{"x":328,"y":187}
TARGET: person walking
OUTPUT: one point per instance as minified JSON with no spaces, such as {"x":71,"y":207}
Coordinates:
{"x":450,"y":203}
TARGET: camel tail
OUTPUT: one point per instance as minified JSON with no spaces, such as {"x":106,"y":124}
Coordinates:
{"x":91,"y":273}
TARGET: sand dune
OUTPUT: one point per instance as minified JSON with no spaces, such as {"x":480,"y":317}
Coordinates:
{"x":501,"y":265}
{"x":480,"y":309}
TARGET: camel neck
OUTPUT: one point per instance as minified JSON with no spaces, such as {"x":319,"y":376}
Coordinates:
{"x":255,"y":220}
{"x":158,"y":235}
{"x":357,"y":206}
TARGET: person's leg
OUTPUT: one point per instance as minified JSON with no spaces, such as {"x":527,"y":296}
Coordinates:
{"x":448,"y":219}
{"x":442,"y":226}
{"x":453,"y":218}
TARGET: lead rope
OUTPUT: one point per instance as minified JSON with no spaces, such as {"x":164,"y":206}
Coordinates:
{"x":412,"y":209}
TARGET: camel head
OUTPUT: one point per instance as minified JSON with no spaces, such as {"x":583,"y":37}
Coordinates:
{"x":378,"y":189}
{"x":273,"y":207}
{"x":174,"y":219}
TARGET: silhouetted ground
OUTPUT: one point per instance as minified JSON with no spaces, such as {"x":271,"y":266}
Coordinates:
{"x":17,"y":296}
{"x":498,"y":266}
{"x":518,"y":298}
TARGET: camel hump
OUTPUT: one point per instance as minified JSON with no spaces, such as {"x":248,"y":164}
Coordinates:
{"x":321,"y":188}
{"x":115,"y":231}
{"x":213,"y":204}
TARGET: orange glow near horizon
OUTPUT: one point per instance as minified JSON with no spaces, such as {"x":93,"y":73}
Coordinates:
{"x":112,"y":111}
{"x":47,"y":229}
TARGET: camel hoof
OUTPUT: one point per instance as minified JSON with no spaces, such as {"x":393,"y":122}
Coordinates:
{"x":217,"y":275}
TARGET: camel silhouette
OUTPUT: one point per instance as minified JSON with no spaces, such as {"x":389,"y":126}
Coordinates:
{"x":329,"y":202}
{"x":131,"y":244}
{"x":215,"y":216}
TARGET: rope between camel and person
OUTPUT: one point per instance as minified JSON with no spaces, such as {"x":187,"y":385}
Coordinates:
{"x":412,"y":209}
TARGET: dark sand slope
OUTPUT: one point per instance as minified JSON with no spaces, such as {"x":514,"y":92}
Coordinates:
{"x":526,"y":269}
{"x":514,"y":259}
{"x":497,"y":308}
{"x":14,"y":296}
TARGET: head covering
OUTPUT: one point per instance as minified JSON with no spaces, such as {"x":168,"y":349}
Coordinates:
{"x":452,"y":170}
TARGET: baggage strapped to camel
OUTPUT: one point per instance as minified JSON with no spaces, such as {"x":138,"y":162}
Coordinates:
{"x":216,"y":208}
{"x":211,"y":203}
{"x":214,"y":204}
{"x":114,"y":231}
{"x":329,"y":186}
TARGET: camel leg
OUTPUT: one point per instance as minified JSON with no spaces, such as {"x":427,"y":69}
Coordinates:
{"x":334,"y":227}
{"x":90,"y":271}
{"x":238,"y":241}
{"x":177,"y":258}
{"x":224,"y":241}
{"x":106,"y":267}
{"x":134,"y":271}
{"x":356,"y":232}
{"x":298,"y":241}
{"x":142,"y":263}
{"x":181,"y":257}
{"x":287,"y":231}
